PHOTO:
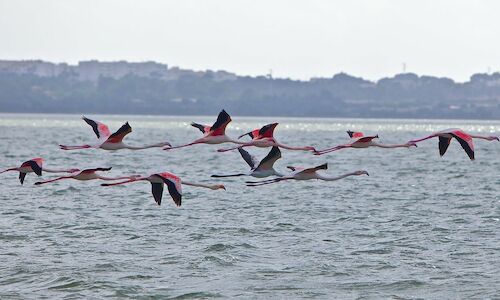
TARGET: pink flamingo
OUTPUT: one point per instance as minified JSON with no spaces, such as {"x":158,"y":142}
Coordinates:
{"x":35,"y":165}
{"x":299,"y":173}
{"x":215,"y":134}
{"x":108,"y":141}
{"x":263,"y":137}
{"x":362,"y":142}
{"x":463,"y":138}
{"x":87,"y":174}
{"x":173,"y":183}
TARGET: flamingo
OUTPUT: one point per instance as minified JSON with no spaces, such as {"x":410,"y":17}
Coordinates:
{"x":108,"y":141}
{"x":87,"y":174}
{"x":215,"y":134}
{"x":263,"y":137}
{"x":299,"y":173}
{"x":261,"y":169}
{"x":362,"y":141}
{"x":463,"y":138}
{"x":173,"y":183}
{"x":35,"y":165}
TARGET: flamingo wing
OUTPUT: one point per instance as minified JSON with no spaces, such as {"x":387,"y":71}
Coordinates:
{"x":21,"y":177}
{"x":267,"y":131}
{"x":118,"y":136}
{"x":219,"y":127}
{"x":366,"y":139}
{"x":443,"y":145}
{"x":95,"y":170}
{"x":203,"y":128}
{"x":314,"y":169}
{"x":100,"y":129}
{"x":252,"y":134}
{"x":354,"y":134}
{"x":250,"y":159}
{"x":35,"y":166}
{"x":267,"y":162}
{"x":465,"y":141}
{"x":174,"y":186}
{"x":157,"y":191}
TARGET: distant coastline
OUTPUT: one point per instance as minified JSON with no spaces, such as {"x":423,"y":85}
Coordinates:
{"x":151,"y":88}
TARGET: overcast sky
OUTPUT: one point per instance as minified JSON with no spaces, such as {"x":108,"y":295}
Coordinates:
{"x":296,"y":39}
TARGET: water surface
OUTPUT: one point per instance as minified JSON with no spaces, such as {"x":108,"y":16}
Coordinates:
{"x":420,"y":226}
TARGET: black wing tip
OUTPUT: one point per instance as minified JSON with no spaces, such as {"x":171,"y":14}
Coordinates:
{"x":350,"y":133}
{"x":323,"y":166}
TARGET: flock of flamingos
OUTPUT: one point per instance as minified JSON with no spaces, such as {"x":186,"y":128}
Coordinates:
{"x":215,"y":134}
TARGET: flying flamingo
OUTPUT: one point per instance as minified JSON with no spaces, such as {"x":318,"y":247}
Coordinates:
{"x":362,"y":141}
{"x":84,"y":175}
{"x":463,"y":138}
{"x":263,"y":137}
{"x":261,"y":169}
{"x":215,"y":134}
{"x":35,"y":165}
{"x":108,"y":141}
{"x":305,"y":174}
{"x":173,"y":183}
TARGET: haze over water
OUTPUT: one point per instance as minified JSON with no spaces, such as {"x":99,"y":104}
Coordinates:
{"x":418,"y":226}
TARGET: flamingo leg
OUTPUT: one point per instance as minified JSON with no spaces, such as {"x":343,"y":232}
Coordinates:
{"x":11,"y":169}
{"x":52,"y":180}
{"x":118,"y":183}
{"x":66,"y":147}
{"x":234,"y":148}
{"x":182,"y":146}
{"x":328,"y":150}
{"x":264,"y":182}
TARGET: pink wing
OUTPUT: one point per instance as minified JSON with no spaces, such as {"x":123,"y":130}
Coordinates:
{"x":354,"y":134}
{"x":100,"y":129}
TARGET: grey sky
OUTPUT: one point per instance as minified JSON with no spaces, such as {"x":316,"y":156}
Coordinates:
{"x":297,"y":39}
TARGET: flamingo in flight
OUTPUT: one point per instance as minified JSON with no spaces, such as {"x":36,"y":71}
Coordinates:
{"x":84,"y":175}
{"x":261,"y":169}
{"x":299,"y":173}
{"x":35,"y":166}
{"x":173,"y":183}
{"x":108,"y":141}
{"x":463,"y":138}
{"x":215,"y":134}
{"x":362,"y":141}
{"x":263,"y":137}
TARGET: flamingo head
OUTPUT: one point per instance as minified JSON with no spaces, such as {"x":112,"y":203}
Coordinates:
{"x":218,"y":187}
{"x":362,"y":172}
{"x":164,"y":144}
{"x":73,"y":170}
{"x":310,"y":148}
{"x":411,"y":144}
{"x":492,"y":138}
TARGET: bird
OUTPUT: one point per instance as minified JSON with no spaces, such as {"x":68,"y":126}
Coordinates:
{"x":215,"y":134}
{"x":299,"y":173}
{"x":108,"y":141}
{"x":261,"y":169}
{"x":263,"y":137}
{"x":34,"y":165}
{"x":461,"y":136}
{"x":362,"y":141}
{"x":173,"y":182}
{"x":87,"y":174}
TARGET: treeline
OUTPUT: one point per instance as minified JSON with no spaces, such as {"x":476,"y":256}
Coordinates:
{"x":403,"y":96}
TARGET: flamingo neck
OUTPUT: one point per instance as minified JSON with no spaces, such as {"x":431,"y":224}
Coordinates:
{"x":11,"y":169}
{"x":58,"y":171}
{"x":207,"y":186}
{"x":327,"y":178}
{"x":483,"y":137}
{"x":390,"y":146}
{"x":144,"y":147}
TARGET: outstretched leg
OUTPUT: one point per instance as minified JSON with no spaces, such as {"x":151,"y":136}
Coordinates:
{"x":52,"y":180}
{"x":328,"y":150}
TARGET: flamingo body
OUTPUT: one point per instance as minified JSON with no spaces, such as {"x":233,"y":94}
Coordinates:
{"x":465,"y":140}
{"x":261,"y":169}
{"x":35,"y":165}
{"x":173,"y":183}
{"x":108,"y":141}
